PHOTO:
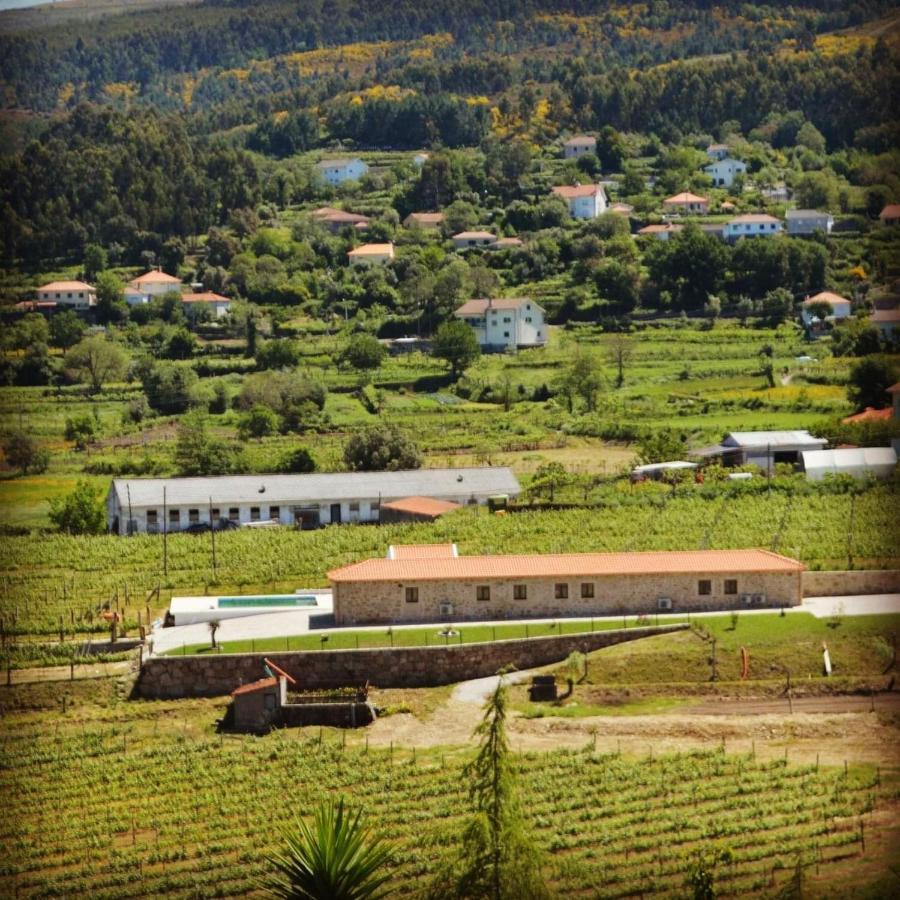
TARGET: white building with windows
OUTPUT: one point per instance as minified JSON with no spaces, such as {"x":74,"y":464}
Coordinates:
{"x":466,"y":240}
{"x":73,"y":294}
{"x":586,"y":201}
{"x":151,"y":284}
{"x":505,"y":323}
{"x":337,"y":171}
{"x":808,"y":221}
{"x":155,"y":505}
{"x":752,"y":225}
{"x":724,"y":171}
{"x":841,"y":307}
{"x":579,"y":146}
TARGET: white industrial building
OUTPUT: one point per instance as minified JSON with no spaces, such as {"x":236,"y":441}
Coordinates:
{"x":762,"y":448}
{"x":155,"y":505}
{"x":858,"y":462}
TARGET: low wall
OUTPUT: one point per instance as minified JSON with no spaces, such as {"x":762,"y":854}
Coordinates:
{"x":170,"y":677}
{"x":332,"y":715}
{"x":844,"y":584}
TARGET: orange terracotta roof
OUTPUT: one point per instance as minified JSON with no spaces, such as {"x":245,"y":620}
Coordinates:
{"x":205,"y":297}
{"x":467,"y":568}
{"x":324,"y":211}
{"x":571,"y":191}
{"x":474,"y":235}
{"x":686,"y":197}
{"x":891,"y":211}
{"x":373,"y":250}
{"x":426,"y":218}
{"x":480,"y":306}
{"x":421,"y":506}
{"x":869,"y":414}
{"x":754,"y":217}
{"x":254,"y":686}
{"x":155,"y":276}
{"x":894,"y":388}
{"x":886,"y":315}
{"x":422,"y":551}
{"x":581,"y":139}
{"x":66,"y":286}
{"x":36,"y":304}
{"x":621,"y":208}
{"x":658,"y":229}
{"x":340,"y":215}
{"x":826,"y":297}
{"x":507,"y":242}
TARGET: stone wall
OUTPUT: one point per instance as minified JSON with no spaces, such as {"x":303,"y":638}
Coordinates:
{"x":385,"y":602}
{"x":208,"y":676}
{"x":843,"y":584}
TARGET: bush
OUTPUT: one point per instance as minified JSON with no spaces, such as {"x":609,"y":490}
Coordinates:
{"x":382,"y":448}
{"x":298,"y":462}
{"x":80,"y":512}
{"x":80,"y":429}
{"x":258,"y":422}
{"x":23,"y":452}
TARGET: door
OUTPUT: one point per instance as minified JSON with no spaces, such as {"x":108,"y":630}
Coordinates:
{"x":335,"y":513}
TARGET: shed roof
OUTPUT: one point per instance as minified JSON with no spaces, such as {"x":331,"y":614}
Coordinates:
{"x":773,"y":439}
{"x":466,"y":568}
{"x":421,"y":506}
{"x":849,"y":459}
{"x":317,"y":487}
{"x":255,"y":686}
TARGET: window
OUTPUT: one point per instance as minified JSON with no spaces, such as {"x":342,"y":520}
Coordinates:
{"x":234,"y":514}
{"x":174,"y":516}
{"x":520,"y":592}
{"x":193,"y":516}
{"x":375,"y":507}
{"x":483,"y":592}
{"x":561,"y":591}
{"x":275,"y":512}
{"x":412,"y":595}
{"x":214,"y":514}
{"x":506,"y":320}
{"x":354,"y":508}
{"x":506,"y":334}
{"x":528,"y":319}
{"x":587,"y":590}
{"x":254,"y":513}
{"x":151,"y":517}
{"x":704,"y":587}
{"x":731,"y":585}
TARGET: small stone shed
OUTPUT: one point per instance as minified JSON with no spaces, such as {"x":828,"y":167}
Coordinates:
{"x":257,"y":706}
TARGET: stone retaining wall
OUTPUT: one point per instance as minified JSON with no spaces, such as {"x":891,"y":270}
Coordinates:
{"x":332,"y":715}
{"x":402,"y":667}
{"x":844,"y":584}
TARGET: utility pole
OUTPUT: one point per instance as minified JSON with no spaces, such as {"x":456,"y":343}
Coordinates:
{"x":212,"y":531}
{"x":165,"y":536}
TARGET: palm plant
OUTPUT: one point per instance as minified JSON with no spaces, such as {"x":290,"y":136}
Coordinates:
{"x":335,"y":857}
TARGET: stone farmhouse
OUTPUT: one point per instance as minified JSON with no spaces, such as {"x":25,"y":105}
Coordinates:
{"x":433,"y":584}
{"x":579,"y":146}
{"x":337,"y":171}
{"x":155,"y":505}
{"x":586,"y":201}
{"x":505,"y":323}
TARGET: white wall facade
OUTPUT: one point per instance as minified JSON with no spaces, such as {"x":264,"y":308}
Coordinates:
{"x":352,"y":171}
{"x":809,"y":224}
{"x":735,"y":230}
{"x":523,"y":326}
{"x":579,"y":148}
{"x":587,"y":207}
{"x":72,"y":299}
{"x":724,"y":171}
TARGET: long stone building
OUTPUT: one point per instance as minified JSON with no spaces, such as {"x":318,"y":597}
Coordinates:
{"x":433,"y":583}
{"x":155,"y":505}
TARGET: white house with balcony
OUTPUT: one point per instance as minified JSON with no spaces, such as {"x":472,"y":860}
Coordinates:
{"x":752,"y":225}
{"x":73,"y":294}
{"x":505,"y":323}
{"x":337,"y":171}
{"x":808,"y":221}
{"x":724,"y":171}
{"x":586,"y":201}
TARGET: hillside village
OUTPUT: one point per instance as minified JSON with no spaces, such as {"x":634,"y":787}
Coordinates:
{"x":467,"y":433}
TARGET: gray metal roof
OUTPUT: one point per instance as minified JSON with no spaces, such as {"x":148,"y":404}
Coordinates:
{"x":449,"y":484}
{"x":773,"y":439}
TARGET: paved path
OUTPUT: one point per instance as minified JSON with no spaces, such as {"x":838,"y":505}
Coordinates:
{"x":296,"y":621}
{"x":478,"y":689}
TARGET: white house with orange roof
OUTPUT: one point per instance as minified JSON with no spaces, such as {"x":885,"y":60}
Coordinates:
{"x":74,"y":294}
{"x":371,"y":255}
{"x":752,"y":225}
{"x":151,"y":284}
{"x":688,"y":203}
{"x":217,"y":305}
{"x":724,"y":171}
{"x":505,"y":323}
{"x":660,"y":232}
{"x":890,"y":215}
{"x":841,"y":307}
{"x":586,"y":201}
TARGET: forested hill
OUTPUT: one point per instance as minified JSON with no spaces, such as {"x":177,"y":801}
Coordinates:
{"x":164,"y":55}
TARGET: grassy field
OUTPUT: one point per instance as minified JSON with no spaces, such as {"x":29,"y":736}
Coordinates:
{"x":138,"y":805}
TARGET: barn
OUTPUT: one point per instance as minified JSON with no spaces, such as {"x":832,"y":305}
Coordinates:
{"x":157,"y":505}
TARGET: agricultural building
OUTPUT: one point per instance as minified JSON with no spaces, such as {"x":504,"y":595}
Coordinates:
{"x":257,"y":706}
{"x":154,"y":505}
{"x":416,"y":509}
{"x":858,"y":462}
{"x":433,"y":588}
{"x":761,"y":448}
{"x":660,"y":470}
